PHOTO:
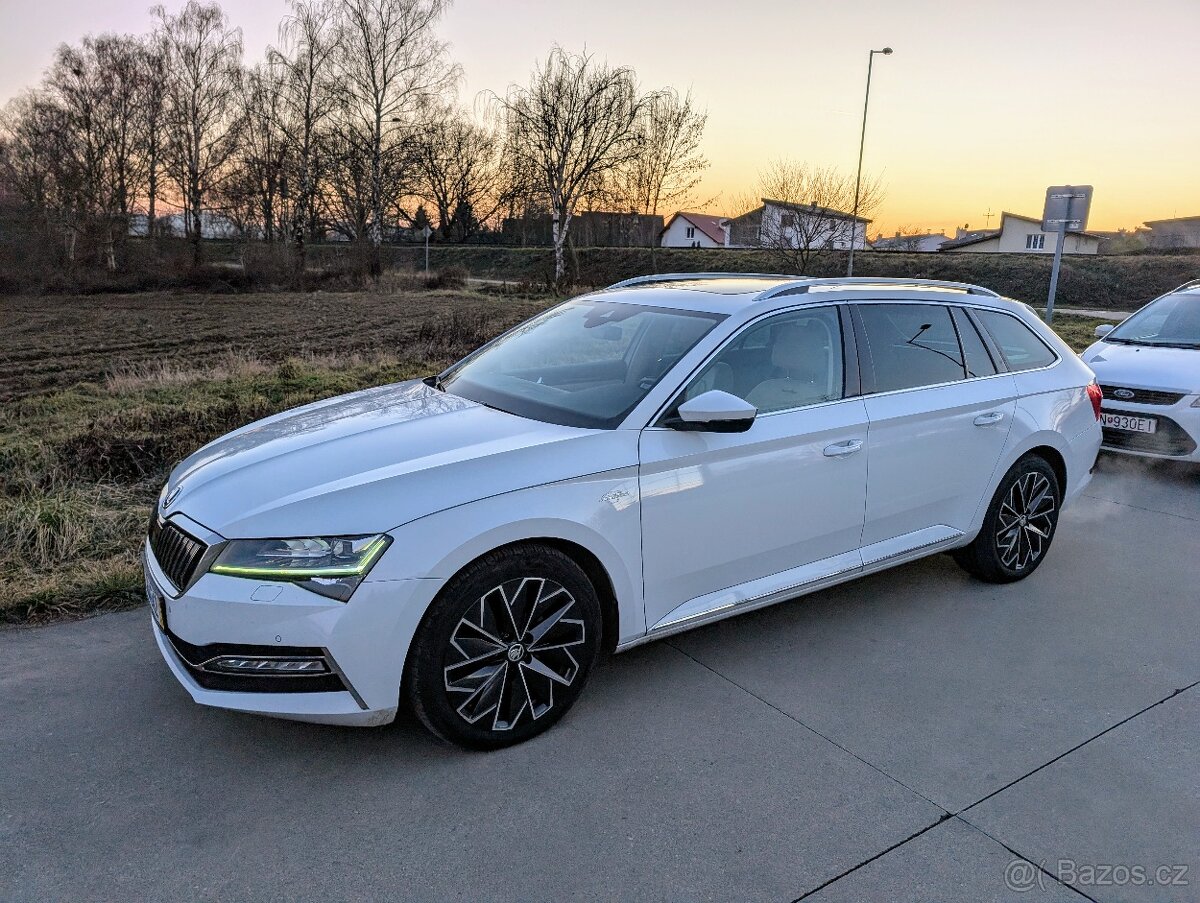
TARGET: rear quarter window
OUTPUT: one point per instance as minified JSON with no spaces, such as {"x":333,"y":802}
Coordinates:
{"x":1021,"y":347}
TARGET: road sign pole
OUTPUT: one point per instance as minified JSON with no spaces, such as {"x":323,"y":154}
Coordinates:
{"x":1058,"y":252}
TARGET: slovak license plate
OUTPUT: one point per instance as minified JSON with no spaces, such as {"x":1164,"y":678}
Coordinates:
{"x":1129,"y":422}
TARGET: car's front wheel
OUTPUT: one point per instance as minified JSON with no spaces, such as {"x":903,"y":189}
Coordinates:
{"x":505,"y":649}
{"x":1018,"y":526}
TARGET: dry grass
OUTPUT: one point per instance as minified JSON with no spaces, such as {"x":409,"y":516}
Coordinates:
{"x":101,"y":399}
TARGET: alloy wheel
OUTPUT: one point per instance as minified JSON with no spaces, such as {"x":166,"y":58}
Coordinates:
{"x":510,"y":652}
{"x":1025,"y":521}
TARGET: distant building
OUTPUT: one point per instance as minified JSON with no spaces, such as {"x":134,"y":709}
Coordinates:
{"x":590,"y":229}
{"x":780,"y":224}
{"x":212,"y":225}
{"x":694,"y":230}
{"x":1181,"y":232}
{"x":1020,"y":235}
{"x":922,"y":244}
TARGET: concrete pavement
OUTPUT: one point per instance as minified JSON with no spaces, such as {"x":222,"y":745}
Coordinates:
{"x":915,"y":735}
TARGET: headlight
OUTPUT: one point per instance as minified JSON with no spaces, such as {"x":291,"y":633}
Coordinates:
{"x":333,"y":566}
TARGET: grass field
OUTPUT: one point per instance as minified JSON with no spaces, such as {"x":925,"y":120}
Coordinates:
{"x":99,"y":397}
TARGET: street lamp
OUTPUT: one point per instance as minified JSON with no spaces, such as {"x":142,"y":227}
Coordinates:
{"x":886,"y":51}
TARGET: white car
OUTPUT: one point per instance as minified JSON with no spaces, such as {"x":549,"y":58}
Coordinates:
{"x":1149,"y":371}
{"x":630,"y":464}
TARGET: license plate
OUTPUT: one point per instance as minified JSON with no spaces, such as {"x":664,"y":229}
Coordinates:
{"x":1129,"y":423}
{"x":158,"y":603}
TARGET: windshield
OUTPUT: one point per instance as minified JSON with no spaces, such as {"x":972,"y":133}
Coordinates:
{"x":584,"y":363}
{"x":1171,"y":322}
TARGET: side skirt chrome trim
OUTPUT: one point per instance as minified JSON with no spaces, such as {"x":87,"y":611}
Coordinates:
{"x":720,"y":613}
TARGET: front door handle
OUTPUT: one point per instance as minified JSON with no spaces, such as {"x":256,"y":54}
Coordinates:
{"x":841,"y":449}
{"x":989,"y":418}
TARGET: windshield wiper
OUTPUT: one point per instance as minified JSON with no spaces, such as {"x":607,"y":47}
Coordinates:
{"x":434,"y":382}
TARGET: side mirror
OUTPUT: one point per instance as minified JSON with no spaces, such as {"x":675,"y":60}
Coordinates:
{"x":714,"y":411}
{"x":1104,"y":329}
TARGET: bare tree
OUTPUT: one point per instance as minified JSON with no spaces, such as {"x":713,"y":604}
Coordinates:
{"x":256,"y":188}
{"x":459,"y":171}
{"x":669,"y":164}
{"x":152,"y":103}
{"x":35,"y":151}
{"x":389,"y":64}
{"x":204,"y":58}
{"x":570,"y":128}
{"x":805,"y":212}
{"x":308,"y":43}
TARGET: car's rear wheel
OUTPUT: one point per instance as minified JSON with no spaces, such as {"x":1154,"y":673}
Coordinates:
{"x":505,"y":649}
{"x":1019,"y":524}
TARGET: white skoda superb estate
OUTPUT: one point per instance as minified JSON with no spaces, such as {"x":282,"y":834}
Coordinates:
{"x":635,"y":462}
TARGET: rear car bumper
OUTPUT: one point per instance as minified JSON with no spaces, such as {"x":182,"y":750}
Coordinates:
{"x":357,"y":647}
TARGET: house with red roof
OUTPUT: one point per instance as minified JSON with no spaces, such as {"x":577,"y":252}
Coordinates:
{"x":694,"y":230}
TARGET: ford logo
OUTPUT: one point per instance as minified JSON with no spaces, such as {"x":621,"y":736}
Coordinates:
{"x":1123,"y":393}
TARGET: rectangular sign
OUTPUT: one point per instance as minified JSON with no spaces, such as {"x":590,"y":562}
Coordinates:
{"x":1066,"y":208}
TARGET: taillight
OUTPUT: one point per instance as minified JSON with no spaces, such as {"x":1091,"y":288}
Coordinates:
{"x":1096,"y":396}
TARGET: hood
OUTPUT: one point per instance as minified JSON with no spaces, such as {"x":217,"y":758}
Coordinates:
{"x":370,"y":461}
{"x":1143,"y":367}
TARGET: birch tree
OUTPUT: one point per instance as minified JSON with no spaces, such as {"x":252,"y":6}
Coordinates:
{"x":571,"y":127}
{"x":389,"y":64}
{"x":204,"y":58}
{"x":308,"y":44}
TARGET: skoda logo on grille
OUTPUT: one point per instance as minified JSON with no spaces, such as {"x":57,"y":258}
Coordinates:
{"x":171,"y":496}
{"x":1123,"y":393}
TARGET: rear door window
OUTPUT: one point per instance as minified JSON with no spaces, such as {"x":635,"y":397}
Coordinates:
{"x":911,"y":345}
{"x":975,"y":353}
{"x":1020,"y":345}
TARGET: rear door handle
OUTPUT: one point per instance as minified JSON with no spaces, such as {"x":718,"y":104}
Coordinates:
{"x":989,"y":418}
{"x":841,"y":449}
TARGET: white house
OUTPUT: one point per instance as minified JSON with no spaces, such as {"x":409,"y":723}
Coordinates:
{"x":918,"y":243}
{"x":694,"y":230}
{"x":780,"y":224}
{"x":1020,"y":235}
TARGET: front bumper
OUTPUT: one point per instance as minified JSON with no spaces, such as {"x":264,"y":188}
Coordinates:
{"x":363,"y":641}
{"x":1177,"y":437}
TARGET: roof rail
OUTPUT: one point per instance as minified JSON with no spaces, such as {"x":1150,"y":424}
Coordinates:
{"x":803,"y":284}
{"x":1190,"y":284}
{"x":682,"y":277}
{"x":798,"y":284}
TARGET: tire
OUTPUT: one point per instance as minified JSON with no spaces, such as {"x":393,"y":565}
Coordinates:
{"x":1019,"y":524}
{"x":525,"y":621}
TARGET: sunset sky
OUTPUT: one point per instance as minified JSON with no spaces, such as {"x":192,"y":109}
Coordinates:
{"x":981,"y":106}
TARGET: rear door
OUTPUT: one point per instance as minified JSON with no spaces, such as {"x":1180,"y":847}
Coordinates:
{"x":940,"y":409}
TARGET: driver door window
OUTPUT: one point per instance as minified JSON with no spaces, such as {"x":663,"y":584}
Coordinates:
{"x":788,"y":361}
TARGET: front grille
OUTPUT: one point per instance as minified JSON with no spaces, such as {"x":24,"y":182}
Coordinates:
{"x":1142,"y":396}
{"x":194,"y":658}
{"x":176,"y":552}
{"x":1170,"y":438}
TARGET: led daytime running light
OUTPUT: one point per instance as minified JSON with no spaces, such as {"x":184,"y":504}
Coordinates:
{"x":369,"y":555}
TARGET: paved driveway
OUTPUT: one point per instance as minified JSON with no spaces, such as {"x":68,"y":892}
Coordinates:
{"x":911,"y":736}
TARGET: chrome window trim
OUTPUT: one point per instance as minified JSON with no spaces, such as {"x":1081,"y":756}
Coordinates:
{"x":966,"y":379}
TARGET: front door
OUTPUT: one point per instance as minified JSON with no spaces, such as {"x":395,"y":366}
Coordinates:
{"x":731,"y":517}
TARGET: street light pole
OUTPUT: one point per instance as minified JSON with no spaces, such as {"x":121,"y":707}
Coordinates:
{"x":861,"y":142}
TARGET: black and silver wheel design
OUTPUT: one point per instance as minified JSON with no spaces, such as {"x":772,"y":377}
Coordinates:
{"x":1026,"y":520}
{"x":511,"y":650}
{"x":1018,"y":526}
{"x":505,"y":649}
